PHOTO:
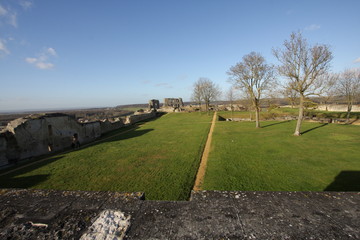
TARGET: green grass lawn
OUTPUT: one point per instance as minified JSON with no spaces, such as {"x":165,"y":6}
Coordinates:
{"x":285,"y":111}
{"x":159,"y":158}
{"x":325,"y":157}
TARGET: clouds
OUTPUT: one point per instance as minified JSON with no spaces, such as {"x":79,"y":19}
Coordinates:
{"x":43,"y":59}
{"x":357,"y":60}
{"x":312,"y":27}
{"x":26,"y":4}
{"x":3,"y":48}
{"x":8,"y":16}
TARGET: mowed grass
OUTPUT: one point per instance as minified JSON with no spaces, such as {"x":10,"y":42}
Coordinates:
{"x":160,"y":158}
{"x":325,"y":157}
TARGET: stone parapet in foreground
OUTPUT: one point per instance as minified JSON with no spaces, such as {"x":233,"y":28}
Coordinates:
{"x":50,"y":214}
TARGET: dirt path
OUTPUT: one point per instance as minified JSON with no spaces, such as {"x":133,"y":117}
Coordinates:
{"x":67,"y":151}
{"x":202,"y":168}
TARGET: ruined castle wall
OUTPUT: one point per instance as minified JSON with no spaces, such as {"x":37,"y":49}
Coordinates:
{"x":107,"y":126}
{"x":132,"y":119}
{"x":29,"y":137}
{"x":90,"y":131}
{"x":39,"y":136}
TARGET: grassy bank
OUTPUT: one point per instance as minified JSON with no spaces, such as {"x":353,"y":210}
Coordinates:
{"x":159,"y":157}
{"x":325,"y":157}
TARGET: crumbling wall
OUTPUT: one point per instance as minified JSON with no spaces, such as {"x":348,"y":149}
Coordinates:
{"x":132,"y":119}
{"x":154,"y":104}
{"x":90,"y":131}
{"x":39,"y":135}
{"x":173,"y":102}
{"x":107,"y":126}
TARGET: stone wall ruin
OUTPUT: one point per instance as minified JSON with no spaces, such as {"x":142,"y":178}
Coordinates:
{"x":40,"y":134}
{"x":154,"y":104}
{"x":173,"y":102}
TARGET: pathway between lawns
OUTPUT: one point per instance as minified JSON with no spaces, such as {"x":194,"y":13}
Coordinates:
{"x":204,"y":158}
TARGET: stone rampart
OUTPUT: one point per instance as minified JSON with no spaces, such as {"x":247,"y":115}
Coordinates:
{"x":40,"y":134}
{"x":51,"y":214}
{"x":132,"y":119}
{"x":107,"y":126}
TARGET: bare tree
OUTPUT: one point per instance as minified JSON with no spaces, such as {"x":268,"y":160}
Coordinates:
{"x":349,"y":87}
{"x":252,"y":76}
{"x":206,"y":90}
{"x":231,"y":96}
{"x":196,"y":95}
{"x":303,"y":65}
{"x":330,"y":79}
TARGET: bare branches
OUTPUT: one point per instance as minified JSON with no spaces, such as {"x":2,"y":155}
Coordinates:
{"x":205,"y":90}
{"x":349,"y":87}
{"x":303,"y":67}
{"x":252,"y":76}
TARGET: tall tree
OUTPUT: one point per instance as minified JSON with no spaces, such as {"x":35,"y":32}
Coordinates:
{"x":302,"y":65}
{"x":253,"y":76}
{"x":206,"y":90}
{"x":349,"y":87}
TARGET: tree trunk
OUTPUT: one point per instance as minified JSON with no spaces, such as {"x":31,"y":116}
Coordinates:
{"x":257,"y":114}
{"x":348,"y":113}
{"x":301,"y":116}
{"x":207,"y":107}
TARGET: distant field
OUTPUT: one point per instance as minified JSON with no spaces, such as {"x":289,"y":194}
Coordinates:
{"x":132,"y":109}
{"x":325,"y":157}
{"x":160,"y":158}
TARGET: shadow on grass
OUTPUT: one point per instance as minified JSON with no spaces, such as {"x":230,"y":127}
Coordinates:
{"x":314,"y":128}
{"x":272,"y":124}
{"x":134,"y":126}
{"x":345,"y":181}
{"x":9,"y":180}
{"x":23,"y":182}
{"x":131,"y":133}
{"x":22,"y":169}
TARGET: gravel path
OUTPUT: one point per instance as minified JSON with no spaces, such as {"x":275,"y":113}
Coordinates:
{"x":202,"y":168}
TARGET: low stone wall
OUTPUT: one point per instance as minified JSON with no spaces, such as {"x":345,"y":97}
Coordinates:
{"x":337,"y":108}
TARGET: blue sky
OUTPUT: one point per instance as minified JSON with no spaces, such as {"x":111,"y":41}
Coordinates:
{"x":69,"y":54}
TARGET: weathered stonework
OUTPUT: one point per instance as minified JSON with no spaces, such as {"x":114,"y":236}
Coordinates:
{"x":37,"y":135}
{"x":50,"y":214}
{"x":154,"y":104}
{"x":173,"y":102}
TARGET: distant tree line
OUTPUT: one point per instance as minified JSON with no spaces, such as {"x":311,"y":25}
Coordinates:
{"x":304,"y":68}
